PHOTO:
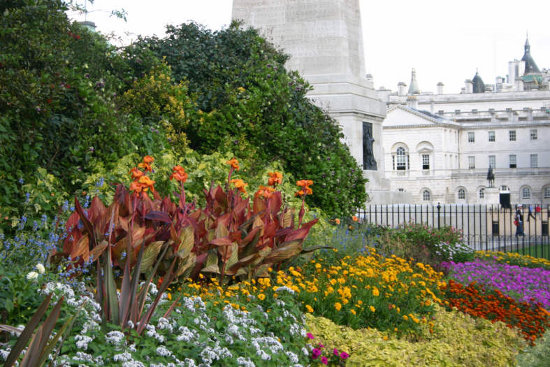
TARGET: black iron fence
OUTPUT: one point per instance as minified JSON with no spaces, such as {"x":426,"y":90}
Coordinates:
{"x":484,"y":227}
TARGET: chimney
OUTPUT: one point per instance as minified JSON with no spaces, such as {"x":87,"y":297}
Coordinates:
{"x":468,"y":86}
{"x":440,"y":86}
{"x":401,"y":89}
{"x":412,"y":102}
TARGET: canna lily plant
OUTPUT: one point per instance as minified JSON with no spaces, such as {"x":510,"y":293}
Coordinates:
{"x":146,"y":236}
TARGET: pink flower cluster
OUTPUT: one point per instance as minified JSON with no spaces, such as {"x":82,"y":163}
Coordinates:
{"x":336,"y":358}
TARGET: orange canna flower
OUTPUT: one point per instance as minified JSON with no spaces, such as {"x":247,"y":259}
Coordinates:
{"x":265,"y":191}
{"x":145,"y":166}
{"x":179,"y":174}
{"x":136,"y":173}
{"x":239,"y":184}
{"x":136,"y":186}
{"x":304,"y":183}
{"x":148,"y":159}
{"x":275,"y":178}
{"x":234,"y":163}
{"x":147,"y":183}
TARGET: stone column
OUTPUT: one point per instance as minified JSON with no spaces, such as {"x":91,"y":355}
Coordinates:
{"x":324,"y":40}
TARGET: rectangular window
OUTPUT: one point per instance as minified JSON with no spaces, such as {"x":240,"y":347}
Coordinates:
{"x":492,"y":161}
{"x":513,"y":162}
{"x":512,"y":135}
{"x":534,"y":160}
{"x":471,"y":137}
{"x":425,"y":161}
{"x":491,"y":136}
{"x":547,"y":192}
{"x":471,"y":162}
{"x":533,"y":134}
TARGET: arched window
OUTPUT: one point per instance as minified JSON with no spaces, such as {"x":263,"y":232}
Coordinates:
{"x":426,"y":196}
{"x":461,"y":194}
{"x":547,"y":192}
{"x":401,"y":159}
{"x":482,"y":193}
{"x":526,"y":193}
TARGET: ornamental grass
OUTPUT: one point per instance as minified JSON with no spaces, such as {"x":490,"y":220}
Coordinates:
{"x":491,"y":304}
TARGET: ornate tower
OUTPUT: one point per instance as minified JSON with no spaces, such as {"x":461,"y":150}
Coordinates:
{"x":324,"y":40}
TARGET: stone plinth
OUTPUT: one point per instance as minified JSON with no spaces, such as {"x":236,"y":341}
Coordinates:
{"x":324,"y":40}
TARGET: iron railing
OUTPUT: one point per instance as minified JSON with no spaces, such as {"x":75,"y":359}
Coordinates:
{"x":484,"y":227}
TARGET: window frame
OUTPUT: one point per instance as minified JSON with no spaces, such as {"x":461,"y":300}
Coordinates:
{"x":492,"y":136}
{"x":461,"y":194}
{"x":471,"y":137}
{"x":494,"y":161}
{"x":426,"y":195}
{"x":534,"y":160}
{"x":533,"y":134}
{"x":425,"y":161}
{"x":512,"y":135}
{"x":526,"y":193}
{"x":513,"y":161}
{"x":471,"y":162}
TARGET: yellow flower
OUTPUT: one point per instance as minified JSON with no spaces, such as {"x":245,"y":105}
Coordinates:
{"x":337,"y":306}
{"x":372,"y":309}
{"x":353,"y":311}
{"x":261,"y":296}
{"x":375,"y":292}
{"x":309,"y":308}
{"x":405,"y":317}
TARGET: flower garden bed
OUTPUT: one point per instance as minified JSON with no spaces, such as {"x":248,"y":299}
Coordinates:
{"x":149,"y":281}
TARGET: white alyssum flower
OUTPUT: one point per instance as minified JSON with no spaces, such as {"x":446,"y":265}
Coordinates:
{"x":4,"y":353}
{"x":83,"y":357}
{"x":115,"y":337}
{"x":164,"y":324}
{"x":32,"y":275}
{"x":122,"y":357}
{"x":41,"y":269}
{"x":133,"y":364}
{"x":163,"y":351}
{"x":285,"y":289}
{"x":82,"y":341}
{"x":292,"y":356}
{"x":189,"y":362}
{"x":241,"y":361}
{"x":186,"y":334}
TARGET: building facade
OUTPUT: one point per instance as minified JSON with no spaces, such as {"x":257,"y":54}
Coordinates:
{"x":439,"y":147}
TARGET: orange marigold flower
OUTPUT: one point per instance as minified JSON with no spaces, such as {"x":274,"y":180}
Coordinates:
{"x":265,"y":191}
{"x":275,"y":178}
{"x":179,"y":174}
{"x":234,"y":163}
{"x":239,"y":184}
{"x":136,"y":173}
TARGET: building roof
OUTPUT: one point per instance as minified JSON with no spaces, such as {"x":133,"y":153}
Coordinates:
{"x":530,"y":65}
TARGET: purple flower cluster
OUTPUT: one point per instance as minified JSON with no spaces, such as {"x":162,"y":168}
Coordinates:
{"x":530,"y":285}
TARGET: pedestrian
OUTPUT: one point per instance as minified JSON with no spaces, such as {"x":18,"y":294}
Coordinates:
{"x":518,"y":221}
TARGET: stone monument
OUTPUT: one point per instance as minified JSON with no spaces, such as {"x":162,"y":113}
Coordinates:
{"x":325,"y":44}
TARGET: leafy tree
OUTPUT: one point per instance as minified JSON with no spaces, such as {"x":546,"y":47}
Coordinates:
{"x":251,"y":105}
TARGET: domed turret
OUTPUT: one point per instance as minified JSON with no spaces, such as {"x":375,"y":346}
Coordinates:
{"x":413,"y":87}
{"x":478,"y":85}
{"x":530,"y":65}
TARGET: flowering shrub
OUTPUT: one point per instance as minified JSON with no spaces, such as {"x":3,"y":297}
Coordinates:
{"x":424,"y":244}
{"x":479,"y":301}
{"x":530,"y":285}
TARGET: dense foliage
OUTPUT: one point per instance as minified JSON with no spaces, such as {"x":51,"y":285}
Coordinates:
{"x":248,"y":103}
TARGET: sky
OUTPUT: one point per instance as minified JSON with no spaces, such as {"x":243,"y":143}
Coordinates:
{"x":445,"y":41}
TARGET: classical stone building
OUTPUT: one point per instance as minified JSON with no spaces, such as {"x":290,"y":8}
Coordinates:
{"x":439,"y":147}
{"x":324,"y":41}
